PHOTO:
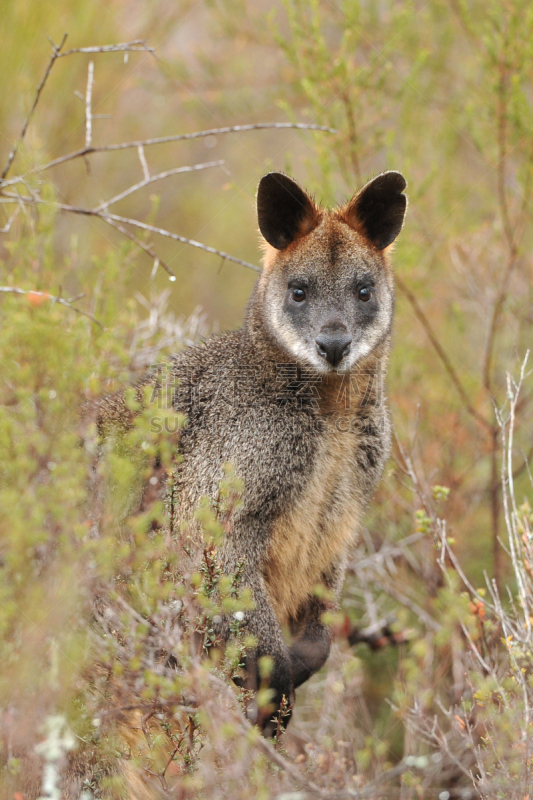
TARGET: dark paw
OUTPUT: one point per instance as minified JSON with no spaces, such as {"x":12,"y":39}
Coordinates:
{"x":272,"y":724}
{"x":307,"y":657}
{"x":273,"y":717}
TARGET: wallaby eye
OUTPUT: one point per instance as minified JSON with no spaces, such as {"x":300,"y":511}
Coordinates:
{"x":298,"y":295}
{"x":365,"y":294}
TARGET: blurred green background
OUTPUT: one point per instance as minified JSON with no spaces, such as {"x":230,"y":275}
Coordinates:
{"x":440,"y":90}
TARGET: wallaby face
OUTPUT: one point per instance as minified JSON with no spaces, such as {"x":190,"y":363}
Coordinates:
{"x":326,"y":290}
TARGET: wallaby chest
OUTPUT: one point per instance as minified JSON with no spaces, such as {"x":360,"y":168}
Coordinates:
{"x":311,"y":536}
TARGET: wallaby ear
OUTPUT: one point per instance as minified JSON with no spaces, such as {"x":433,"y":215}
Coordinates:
{"x":284,"y":211}
{"x":378,"y":209}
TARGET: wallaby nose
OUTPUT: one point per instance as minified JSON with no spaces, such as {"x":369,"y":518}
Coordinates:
{"x":333,"y":347}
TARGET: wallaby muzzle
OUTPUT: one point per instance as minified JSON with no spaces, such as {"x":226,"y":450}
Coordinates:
{"x":332,"y":347}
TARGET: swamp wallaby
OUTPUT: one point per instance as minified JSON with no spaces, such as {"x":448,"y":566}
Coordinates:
{"x":294,"y":400}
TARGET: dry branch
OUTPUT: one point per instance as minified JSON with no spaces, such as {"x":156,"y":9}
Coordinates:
{"x":180,"y":137}
{"x":300,"y":779}
{"x":54,"y":298}
{"x":13,"y":153}
{"x":143,"y":246}
{"x":442,"y":355}
{"x":88,"y":100}
{"x":56,"y":54}
{"x":10,"y":220}
{"x":168,"y":234}
{"x":135,"y":46}
{"x":152,"y":179}
{"x":102,"y":210}
{"x":144,"y":164}
{"x":113,"y":219}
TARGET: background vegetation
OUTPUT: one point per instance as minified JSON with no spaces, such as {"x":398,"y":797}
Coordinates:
{"x":441,"y":91}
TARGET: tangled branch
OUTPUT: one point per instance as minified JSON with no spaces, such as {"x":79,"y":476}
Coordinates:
{"x":22,"y":194}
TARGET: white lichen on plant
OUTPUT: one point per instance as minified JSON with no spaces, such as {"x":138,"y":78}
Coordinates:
{"x":59,"y":740}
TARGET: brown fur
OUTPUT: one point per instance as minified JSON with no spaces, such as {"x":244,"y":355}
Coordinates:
{"x":311,"y":536}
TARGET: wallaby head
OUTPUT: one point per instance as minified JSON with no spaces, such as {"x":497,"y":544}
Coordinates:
{"x":326,"y":294}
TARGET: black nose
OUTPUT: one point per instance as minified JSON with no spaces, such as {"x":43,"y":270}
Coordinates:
{"x":333,"y":347}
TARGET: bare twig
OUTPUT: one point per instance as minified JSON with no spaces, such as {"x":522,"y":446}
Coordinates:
{"x":85,"y":151}
{"x":509,"y":500}
{"x":146,"y":247}
{"x":137,"y":45}
{"x":7,"y":226}
{"x":155,"y":705}
{"x":102,"y":211}
{"x":53,"y":298}
{"x":525,"y":463}
{"x":442,"y":355}
{"x":510,"y":232}
{"x":144,"y":164}
{"x":152,"y":179}
{"x":497,"y":309}
{"x":419,"y":612}
{"x":88,"y":100}
{"x":53,"y":58}
{"x":388,"y":551}
{"x":293,"y":772}
{"x":114,"y":218}
{"x":168,"y":234}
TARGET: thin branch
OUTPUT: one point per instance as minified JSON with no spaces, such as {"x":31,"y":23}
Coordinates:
{"x":138,"y":45}
{"x":293,"y":772}
{"x":170,"y":235}
{"x":88,"y":100}
{"x":511,"y":510}
{"x":7,"y":226}
{"x":160,"y":176}
{"x":419,"y":612}
{"x":388,"y":550}
{"x":503,"y":290}
{"x":369,"y":791}
{"x":525,"y":463}
{"x":495,"y":319}
{"x":112,"y":218}
{"x":102,"y":211}
{"x":509,"y":230}
{"x":502,"y":123}
{"x":53,"y":58}
{"x":146,"y":247}
{"x":85,"y":151}
{"x":447,"y":550}
{"x":167,"y":765}
{"x":153,"y":706}
{"x":144,"y":164}
{"x":54,"y":299}
{"x":442,"y":355}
